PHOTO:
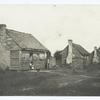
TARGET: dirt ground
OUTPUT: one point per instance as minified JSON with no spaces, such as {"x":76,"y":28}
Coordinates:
{"x":49,"y":83}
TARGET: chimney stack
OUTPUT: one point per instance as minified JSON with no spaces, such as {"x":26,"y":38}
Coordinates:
{"x":95,"y":48}
{"x":70,"y":53}
{"x":70,"y":42}
{"x":2,"y":27}
{"x":95,"y":56}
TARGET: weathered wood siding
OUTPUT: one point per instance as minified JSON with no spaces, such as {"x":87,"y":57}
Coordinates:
{"x":52,"y":62}
{"x":63,"y":56}
{"x":77,"y":63}
{"x":24,"y":60}
{"x":14,"y":60}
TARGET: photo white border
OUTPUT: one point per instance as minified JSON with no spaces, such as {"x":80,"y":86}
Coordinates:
{"x":49,"y":2}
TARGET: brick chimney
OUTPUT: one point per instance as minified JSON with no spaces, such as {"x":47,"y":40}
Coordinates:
{"x":95,"y":56}
{"x":2,"y":33}
{"x":70,"y":42}
{"x":2,"y":26}
{"x":2,"y":29}
{"x":70,"y":53}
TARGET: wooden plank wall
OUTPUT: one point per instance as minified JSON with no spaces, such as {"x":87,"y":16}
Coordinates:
{"x":14,"y":59}
{"x":24,"y":60}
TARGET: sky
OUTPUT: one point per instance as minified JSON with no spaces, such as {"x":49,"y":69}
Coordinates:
{"x":54,"y":24}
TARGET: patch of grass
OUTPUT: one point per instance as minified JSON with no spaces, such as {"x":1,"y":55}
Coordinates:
{"x":13,"y":83}
{"x":43,"y":84}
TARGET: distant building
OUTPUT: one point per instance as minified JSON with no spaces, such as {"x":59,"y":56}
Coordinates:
{"x":95,"y":56}
{"x":58,"y":58}
{"x":18,"y":50}
{"x":74,"y":55}
{"x":52,"y":62}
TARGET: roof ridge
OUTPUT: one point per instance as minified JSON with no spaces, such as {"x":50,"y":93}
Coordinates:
{"x":18,"y":31}
{"x":26,"y":40}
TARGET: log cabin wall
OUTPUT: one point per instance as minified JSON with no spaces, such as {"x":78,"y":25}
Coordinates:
{"x":14,"y":60}
{"x":24,"y":60}
{"x":20,"y":60}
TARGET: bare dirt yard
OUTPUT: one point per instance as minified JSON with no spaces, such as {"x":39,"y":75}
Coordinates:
{"x":49,"y":83}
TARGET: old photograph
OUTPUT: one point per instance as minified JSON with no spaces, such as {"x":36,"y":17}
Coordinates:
{"x":50,"y":50}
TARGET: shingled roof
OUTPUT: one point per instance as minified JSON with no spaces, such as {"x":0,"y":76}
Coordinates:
{"x":25,"y":40}
{"x":77,"y":47}
{"x":80,"y":49}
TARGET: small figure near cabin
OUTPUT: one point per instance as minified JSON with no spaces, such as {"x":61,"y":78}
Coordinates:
{"x":31,"y":66}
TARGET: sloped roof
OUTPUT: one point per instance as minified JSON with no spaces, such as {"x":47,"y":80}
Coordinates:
{"x":79,"y":48}
{"x":57,"y":53}
{"x":25,"y":40}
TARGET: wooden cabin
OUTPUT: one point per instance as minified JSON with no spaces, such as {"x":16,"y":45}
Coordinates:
{"x":19,"y":50}
{"x":73,"y":55}
{"x":95,"y":56}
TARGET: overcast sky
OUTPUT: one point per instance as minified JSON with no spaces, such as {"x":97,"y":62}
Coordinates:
{"x":53,"y":25}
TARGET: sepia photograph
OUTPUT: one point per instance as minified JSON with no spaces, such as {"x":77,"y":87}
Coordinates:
{"x":49,"y":50}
